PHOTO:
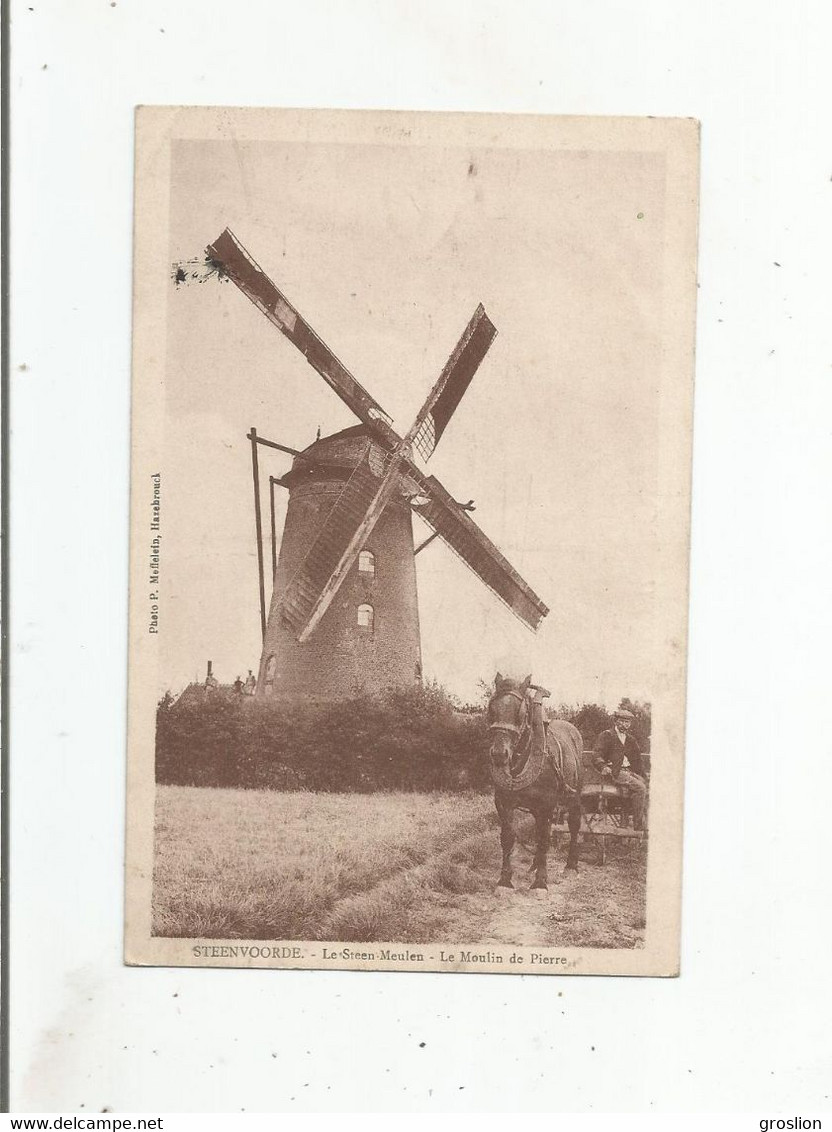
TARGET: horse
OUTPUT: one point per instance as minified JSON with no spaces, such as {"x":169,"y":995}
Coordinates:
{"x":534,"y":768}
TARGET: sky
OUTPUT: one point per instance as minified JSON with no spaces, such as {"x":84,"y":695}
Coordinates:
{"x":386,"y":249}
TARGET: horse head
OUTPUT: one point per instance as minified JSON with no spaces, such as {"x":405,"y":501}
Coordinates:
{"x":508,"y":722}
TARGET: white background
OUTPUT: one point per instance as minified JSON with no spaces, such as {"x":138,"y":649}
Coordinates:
{"x":746,"y":1027}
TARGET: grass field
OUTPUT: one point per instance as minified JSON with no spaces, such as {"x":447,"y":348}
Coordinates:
{"x":409,"y":868}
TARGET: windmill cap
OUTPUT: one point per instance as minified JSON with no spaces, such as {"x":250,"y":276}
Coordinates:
{"x":622,"y":713}
{"x":338,"y":453}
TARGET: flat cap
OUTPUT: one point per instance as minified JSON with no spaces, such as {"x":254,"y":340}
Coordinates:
{"x":622,"y":713}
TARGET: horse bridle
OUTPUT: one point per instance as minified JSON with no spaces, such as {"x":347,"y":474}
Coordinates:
{"x":516,"y":729}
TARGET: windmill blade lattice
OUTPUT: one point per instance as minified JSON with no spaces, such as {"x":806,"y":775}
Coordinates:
{"x":455,"y":378}
{"x":229,"y":254}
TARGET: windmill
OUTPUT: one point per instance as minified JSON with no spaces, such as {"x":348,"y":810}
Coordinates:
{"x":344,"y":614}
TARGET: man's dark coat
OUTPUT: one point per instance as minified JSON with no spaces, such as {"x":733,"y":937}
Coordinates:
{"x":610,"y":749}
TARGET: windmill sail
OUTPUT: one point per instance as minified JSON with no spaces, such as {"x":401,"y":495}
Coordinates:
{"x":455,"y":527}
{"x":452,"y":383}
{"x":371,"y":486}
{"x":232,"y":257}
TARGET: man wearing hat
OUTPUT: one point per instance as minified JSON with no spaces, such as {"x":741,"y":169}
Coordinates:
{"x":612,"y":749}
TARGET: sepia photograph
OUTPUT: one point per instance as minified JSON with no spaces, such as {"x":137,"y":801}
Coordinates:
{"x":409,"y":540}
{"x":417,"y":452}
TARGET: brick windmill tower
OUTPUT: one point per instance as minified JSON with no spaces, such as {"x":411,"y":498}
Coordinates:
{"x":368,"y":639}
{"x":344,"y":616}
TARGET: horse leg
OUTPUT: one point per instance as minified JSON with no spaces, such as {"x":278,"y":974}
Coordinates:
{"x":507,"y":839}
{"x":542,"y":823}
{"x":574,"y":823}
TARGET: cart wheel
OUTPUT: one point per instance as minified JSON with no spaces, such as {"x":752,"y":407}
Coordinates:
{"x":602,"y":811}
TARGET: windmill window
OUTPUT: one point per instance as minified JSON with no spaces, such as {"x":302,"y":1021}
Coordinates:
{"x":271,"y":666}
{"x":367,"y":563}
{"x":365,"y":617}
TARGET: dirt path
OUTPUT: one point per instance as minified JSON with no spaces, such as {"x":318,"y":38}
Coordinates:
{"x":451,"y":898}
{"x":523,"y":919}
{"x":603,"y":906}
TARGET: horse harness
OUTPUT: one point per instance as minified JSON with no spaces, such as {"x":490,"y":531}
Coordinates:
{"x":533,"y":766}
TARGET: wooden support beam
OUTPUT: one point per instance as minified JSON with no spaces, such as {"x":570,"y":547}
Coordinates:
{"x":258,"y":523}
{"x":272,"y":481}
{"x":252,"y":436}
{"x":422,"y":545}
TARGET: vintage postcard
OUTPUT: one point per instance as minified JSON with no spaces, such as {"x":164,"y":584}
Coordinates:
{"x":409,"y":540}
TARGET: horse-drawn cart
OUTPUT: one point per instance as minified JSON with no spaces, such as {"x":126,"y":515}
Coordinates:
{"x":543,"y":769}
{"x":604,"y":810}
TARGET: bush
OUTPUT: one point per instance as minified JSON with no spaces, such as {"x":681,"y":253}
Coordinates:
{"x":403,"y":740}
{"x":414,"y":739}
